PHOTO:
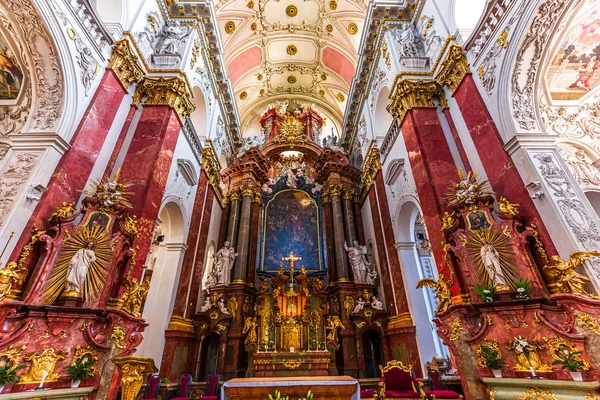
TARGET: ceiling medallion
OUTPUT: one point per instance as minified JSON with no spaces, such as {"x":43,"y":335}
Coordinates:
{"x":321,"y":93}
{"x":262,"y":92}
{"x":230,"y":27}
{"x":329,"y":28}
{"x":292,"y":50}
{"x":243,"y":95}
{"x":352,"y":28}
{"x":291,"y":79}
{"x":259,"y":77}
{"x":291,"y":10}
{"x":253,"y":26}
{"x":340,"y":97}
{"x":250,"y":4}
{"x":333,"y":4}
{"x":323,"y":77}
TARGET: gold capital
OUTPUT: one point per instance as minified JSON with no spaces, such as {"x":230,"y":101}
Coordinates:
{"x":370,"y":167}
{"x":408,"y":94}
{"x":212,"y":167}
{"x":125,"y":64}
{"x":453,"y":68}
{"x":171,"y":91}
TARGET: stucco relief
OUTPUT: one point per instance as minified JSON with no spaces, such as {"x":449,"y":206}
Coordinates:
{"x":580,"y":164}
{"x":44,"y":59}
{"x":13,"y":178}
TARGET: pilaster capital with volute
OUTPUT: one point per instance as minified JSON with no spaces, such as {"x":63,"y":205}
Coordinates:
{"x":453,"y":69}
{"x":125,"y":64}
{"x":171,"y":91}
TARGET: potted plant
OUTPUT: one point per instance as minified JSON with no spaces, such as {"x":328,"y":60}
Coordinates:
{"x":79,"y":370}
{"x":573,"y":363}
{"x":278,"y":396}
{"x":487,"y":293}
{"x":491,"y":358}
{"x":8,"y":375}
{"x":523,"y":289}
{"x":164,"y":381}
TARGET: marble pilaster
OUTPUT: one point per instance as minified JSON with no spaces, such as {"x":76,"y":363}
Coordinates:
{"x":240,"y":269}
{"x":341,"y":258}
{"x":234,"y":220}
{"x":349,"y":219}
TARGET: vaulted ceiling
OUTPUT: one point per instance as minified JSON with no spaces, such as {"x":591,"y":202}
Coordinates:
{"x":302,"y":50}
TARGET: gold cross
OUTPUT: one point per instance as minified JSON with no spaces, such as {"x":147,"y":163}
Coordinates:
{"x":292,"y":258}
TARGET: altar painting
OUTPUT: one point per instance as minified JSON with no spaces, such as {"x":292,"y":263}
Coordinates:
{"x":11,"y":75}
{"x":575,"y":67}
{"x":291,"y":226}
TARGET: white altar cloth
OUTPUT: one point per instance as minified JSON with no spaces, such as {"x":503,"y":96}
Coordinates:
{"x":286,"y":382}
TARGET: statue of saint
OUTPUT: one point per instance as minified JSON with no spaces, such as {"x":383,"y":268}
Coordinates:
{"x":333,"y":324}
{"x":224,"y":260}
{"x":491,"y":262}
{"x":78,"y":269}
{"x":250,"y":329}
{"x":134,"y":295}
{"x":171,"y":38}
{"x":360,"y":265}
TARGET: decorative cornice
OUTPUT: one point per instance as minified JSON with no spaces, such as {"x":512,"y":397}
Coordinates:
{"x":408,"y":94}
{"x":171,"y":91}
{"x":212,"y":168}
{"x":370,"y":167}
{"x":125,"y":64}
{"x":453,"y":68}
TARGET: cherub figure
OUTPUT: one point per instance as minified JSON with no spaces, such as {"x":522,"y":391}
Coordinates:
{"x":442,"y":291}
{"x":506,"y":207}
{"x":566,"y":278}
{"x":9,"y":274}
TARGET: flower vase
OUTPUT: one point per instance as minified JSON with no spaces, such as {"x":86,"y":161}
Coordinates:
{"x":75,"y":384}
{"x":497,"y":373}
{"x":576,"y":376}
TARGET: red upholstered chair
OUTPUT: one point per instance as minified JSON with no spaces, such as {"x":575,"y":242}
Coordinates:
{"x":368,"y":394}
{"x":211,"y":388}
{"x":152,"y":387}
{"x":397,"y":383}
{"x":437,"y":392}
{"x":184,"y":388}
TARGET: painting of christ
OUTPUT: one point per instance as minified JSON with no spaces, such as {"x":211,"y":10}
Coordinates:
{"x":11,"y":75}
{"x":291,"y":225}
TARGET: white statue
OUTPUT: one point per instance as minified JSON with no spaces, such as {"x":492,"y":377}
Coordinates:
{"x":78,"y":268}
{"x":171,"y":38}
{"x":212,"y":278}
{"x":407,"y":42}
{"x":376,"y":303}
{"x":359,"y":263}
{"x":371,"y":276}
{"x":207,"y":305}
{"x":360,"y":304}
{"x":222,"y":308}
{"x":291,"y":179}
{"x":224,"y":260}
{"x":491,"y":262}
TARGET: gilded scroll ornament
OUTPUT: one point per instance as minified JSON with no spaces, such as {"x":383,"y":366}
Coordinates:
{"x":130,"y":225}
{"x":12,"y":356}
{"x":408,"y":94}
{"x":506,"y":207}
{"x":170,"y":91}
{"x":370,"y":167}
{"x":587,"y":321}
{"x":442,"y":291}
{"x":456,"y":328}
{"x":565,"y":276}
{"x":534,"y":393}
{"x":63,"y":211}
{"x":10,"y":274}
{"x":538,"y":243}
{"x":85,"y":352}
{"x":453,"y":68}
{"x":132,"y":371}
{"x":125,"y":64}
{"x":560,"y":349}
{"x":447,"y":220}
{"x":291,"y":364}
{"x":134,"y":296}
{"x":41,"y":365}
{"x":491,"y":344}
{"x":118,"y":337}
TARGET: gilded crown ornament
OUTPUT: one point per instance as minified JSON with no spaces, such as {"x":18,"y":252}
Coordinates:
{"x":109,"y":192}
{"x":468,"y":190}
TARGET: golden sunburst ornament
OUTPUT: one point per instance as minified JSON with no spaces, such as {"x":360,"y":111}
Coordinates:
{"x":109,"y":192}
{"x":468,"y":190}
{"x":81,"y":268}
{"x":340,"y":97}
{"x":243,"y":95}
{"x":291,"y":79}
{"x":333,"y":4}
{"x":329,"y":28}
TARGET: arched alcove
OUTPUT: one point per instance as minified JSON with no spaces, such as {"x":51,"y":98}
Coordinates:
{"x":382,"y":118}
{"x":465,"y":15}
{"x":112,"y":12}
{"x":199,"y":116}
{"x":594,"y":198}
{"x":169,"y":240}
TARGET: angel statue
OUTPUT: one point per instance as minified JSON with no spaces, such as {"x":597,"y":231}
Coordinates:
{"x":134,"y":295}
{"x":348,"y":305}
{"x":566,"y":278}
{"x":442,"y":291}
{"x":333,"y":324}
{"x":250,"y":329}
{"x":9,"y":274}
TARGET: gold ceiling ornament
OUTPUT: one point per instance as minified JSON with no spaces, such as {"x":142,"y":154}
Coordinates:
{"x":262,"y":92}
{"x":86,"y":243}
{"x":291,"y":10}
{"x":559,"y":349}
{"x":171,"y":91}
{"x":250,"y":4}
{"x":329,"y":28}
{"x":321,"y":93}
{"x":408,"y":94}
{"x":468,"y":190}
{"x":229,"y":27}
{"x":291,"y":79}
{"x":259,"y":77}
{"x":340,"y":97}
{"x":534,"y":393}
{"x":565,"y":276}
{"x":292,"y":50}
{"x":453,"y":69}
{"x":253,"y":26}
{"x":132,"y":371}
{"x":125,"y":64}
{"x":243,"y":95}
{"x":333,"y":5}
{"x":42,"y":364}
{"x":491,"y":344}
{"x":352,"y":28}
{"x":442,"y":291}
{"x":134,"y":295}
{"x":323,"y":77}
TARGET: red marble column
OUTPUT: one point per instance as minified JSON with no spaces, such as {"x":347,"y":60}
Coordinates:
{"x":328,"y":230}
{"x":254,"y":240}
{"x":190,"y":261}
{"x":433,"y":169}
{"x":74,"y":168}
{"x":119,"y":144}
{"x":223,"y":224}
{"x":146,"y":167}
{"x":499,"y":166}
{"x":461,"y":150}
{"x":360,"y":229}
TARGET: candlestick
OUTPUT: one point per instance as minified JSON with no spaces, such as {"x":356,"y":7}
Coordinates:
{"x":44,"y":375}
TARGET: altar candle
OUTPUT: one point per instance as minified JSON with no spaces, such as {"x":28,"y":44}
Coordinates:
{"x":44,"y":375}
{"x":532,"y":371}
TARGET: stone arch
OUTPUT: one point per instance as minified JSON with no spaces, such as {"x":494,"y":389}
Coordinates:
{"x":199,"y":117}
{"x":465,"y":15}
{"x":164,"y":277}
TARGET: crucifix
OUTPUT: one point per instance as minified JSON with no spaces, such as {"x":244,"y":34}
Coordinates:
{"x":292,"y":258}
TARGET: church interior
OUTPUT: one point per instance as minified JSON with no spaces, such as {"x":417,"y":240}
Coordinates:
{"x":316,"y":199}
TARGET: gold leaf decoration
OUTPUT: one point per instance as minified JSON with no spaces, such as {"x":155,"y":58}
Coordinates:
{"x":352,"y":28}
{"x":498,"y":241}
{"x":340,"y":97}
{"x":291,"y":50}
{"x":291,"y":10}
{"x":243,"y":95}
{"x":333,"y":4}
{"x":291,"y":79}
{"x":229,"y":27}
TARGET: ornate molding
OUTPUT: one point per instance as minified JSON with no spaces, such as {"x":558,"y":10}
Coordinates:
{"x":125,"y":64}
{"x":370,"y":167}
{"x":169,"y":91}
{"x":453,"y":69}
{"x":408,"y":94}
